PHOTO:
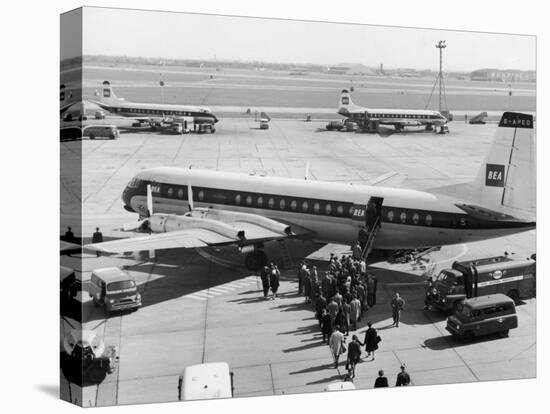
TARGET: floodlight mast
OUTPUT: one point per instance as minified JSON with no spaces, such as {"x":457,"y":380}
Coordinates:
{"x":440,"y":45}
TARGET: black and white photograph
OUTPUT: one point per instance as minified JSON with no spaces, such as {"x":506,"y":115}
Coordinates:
{"x":259,"y":207}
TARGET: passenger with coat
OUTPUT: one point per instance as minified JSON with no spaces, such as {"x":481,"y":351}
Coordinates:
{"x":274,"y":278}
{"x":354,"y":355}
{"x":371,"y":340}
{"x":355,"y":312}
{"x":397,"y":305}
{"x":326,"y":325}
{"x":264,"y":276}
{"x":336,"y":344}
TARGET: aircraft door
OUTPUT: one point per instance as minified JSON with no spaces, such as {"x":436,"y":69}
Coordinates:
{"x":373,"y":212}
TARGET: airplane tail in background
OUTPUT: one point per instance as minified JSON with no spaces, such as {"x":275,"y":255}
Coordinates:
{"x":107,"y":94}
{"x":506,"y":181}
{"x":345,"y":104}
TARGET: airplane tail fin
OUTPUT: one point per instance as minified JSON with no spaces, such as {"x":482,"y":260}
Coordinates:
{"x":345,"y":102}
{"x":506,"y":181}
{"x":107,"y":94}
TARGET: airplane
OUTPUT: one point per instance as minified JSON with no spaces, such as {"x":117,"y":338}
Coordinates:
{"x":150,"y":111}
{"x":196,"y":208}
{"x":399,"y":118}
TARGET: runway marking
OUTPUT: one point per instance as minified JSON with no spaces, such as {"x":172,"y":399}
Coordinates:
{"x":222,"y":289}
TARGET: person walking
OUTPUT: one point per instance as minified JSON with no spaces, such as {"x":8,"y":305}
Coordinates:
{"x":357,"y":252}
{"x":332,"y":309}
{"x":362,"y":296}
{"x":354,"y":355}
{"x":264,"y":276}
{"x":307,"y":287}
{"x":403,"y":378}
{"x":397,"y":305}
{"x":97,"y":237}
{"x":346,"y":311}
{"x":274,"y":278}
{"x":326,"y":325}
{"x":363,"y":237}
{"x":302,"y":270}
{"x":337,"y":344}
{"x":381,"y":381}
{"x":355,"y":312}
{"x":370,"y":291}
{"x":338,"y":298}
{"x":371,"y":340}
{"x":320,"y":306}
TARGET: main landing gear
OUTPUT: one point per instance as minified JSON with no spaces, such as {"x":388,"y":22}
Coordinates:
{"x":255,"y":260}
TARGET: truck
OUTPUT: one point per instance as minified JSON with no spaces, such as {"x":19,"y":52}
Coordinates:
{"x":514,"y":277}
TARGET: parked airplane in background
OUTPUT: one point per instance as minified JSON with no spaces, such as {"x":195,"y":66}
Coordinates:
{"x":399,"y":118}
{"x":150,"y":111}
{"x":186,"y":208}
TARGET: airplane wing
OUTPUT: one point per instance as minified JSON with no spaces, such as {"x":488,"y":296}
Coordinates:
{"x":391,"y":178}
{"x":190,"y":238}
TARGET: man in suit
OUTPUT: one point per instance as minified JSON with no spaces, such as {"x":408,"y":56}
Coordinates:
{"x":397,"y":304}
{"x":403,"y":378}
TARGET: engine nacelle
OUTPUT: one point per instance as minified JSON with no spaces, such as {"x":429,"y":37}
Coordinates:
{"x":159,"y":223}
{"x":233,"y":218}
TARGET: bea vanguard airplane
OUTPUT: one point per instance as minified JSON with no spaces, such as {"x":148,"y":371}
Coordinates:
{"x":186,"y":208}
{"x":399,"y":118}
{"x":150,"y":111}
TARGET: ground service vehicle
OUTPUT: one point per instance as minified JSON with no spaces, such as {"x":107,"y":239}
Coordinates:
{"x":101,"y":131}
{"x":206,"y":381}
{"x":335,"y":126}
{"x":114,"y":289}
{"x":99,"y":115}
{"x":85,"y":348}
{"x":484,"y":315}
{"x":515,"y":278}
{"x":206,"y":128}
{"x":264,"y":125}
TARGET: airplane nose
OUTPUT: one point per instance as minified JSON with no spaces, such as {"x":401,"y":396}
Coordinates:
{"x":126,"y":198}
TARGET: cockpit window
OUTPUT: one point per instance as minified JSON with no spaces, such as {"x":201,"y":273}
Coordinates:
{"x":134,"y":183}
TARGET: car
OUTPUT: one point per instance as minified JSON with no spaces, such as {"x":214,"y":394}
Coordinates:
{"x":483,"y":315}
{"x":99,"y":115}
{"x":206,"y":128}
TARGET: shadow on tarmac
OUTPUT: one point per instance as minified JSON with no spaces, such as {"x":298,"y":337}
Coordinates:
{"x":442,"y":343}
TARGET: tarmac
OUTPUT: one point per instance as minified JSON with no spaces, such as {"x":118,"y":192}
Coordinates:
{"x":203,"y":306}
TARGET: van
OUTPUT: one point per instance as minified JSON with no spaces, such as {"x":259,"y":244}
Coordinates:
{"x":101,"y":131}
{"x":205,"y":381}
{"x":114,"y":289}
{"x":484,"y":315}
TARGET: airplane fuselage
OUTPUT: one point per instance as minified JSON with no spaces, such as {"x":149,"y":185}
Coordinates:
{"x":330,"y":212}
{"x":140,"y":110}
{"x":395,"y":116}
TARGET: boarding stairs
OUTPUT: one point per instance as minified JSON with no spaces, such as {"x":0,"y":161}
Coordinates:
{"x":370,"y":241}
{"x":286,"y":258}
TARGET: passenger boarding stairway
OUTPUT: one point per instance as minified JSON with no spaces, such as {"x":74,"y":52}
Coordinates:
{"x":370,"y":241}
{"x":288,"y":263}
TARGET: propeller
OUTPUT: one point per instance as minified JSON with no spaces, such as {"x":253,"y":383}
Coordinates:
{"x":190,"y":196}
{"x":306,"y":175}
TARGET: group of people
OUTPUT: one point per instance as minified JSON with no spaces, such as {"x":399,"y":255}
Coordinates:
{"x":271,"y":279}
{"x":340,"y":298}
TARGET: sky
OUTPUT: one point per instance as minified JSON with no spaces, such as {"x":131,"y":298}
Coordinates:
{"x":208,"y":37}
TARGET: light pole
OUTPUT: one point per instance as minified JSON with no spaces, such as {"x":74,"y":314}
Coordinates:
{"x":440,"y":45}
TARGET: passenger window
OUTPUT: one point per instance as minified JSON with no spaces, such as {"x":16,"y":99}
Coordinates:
{"x":390,"y":215}
{"x":293,"y":205}
{"x":238,"y":199}
{"x":170,"y":192}
{"x":180,"y":193}
{"x":249,"y":200}
{"x":304,"y":206}
{"x":403,"y":217}
{"x":416,"y":217}
{"x":282,"y":204}
{"x":462,"y":221}
{"x":340,"y":210}
{"x":316,"y":208}
{"x":260,"y":201}
{"x":428,"y":219}
{"x":271,"y":202}
{"x":328,"y":209}
{"x":201,"y":195}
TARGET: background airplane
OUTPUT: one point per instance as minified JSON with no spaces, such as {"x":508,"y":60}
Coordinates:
{"x":185,"y":208}
{"x":399,"y":118}
{"x":150,"y":111}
